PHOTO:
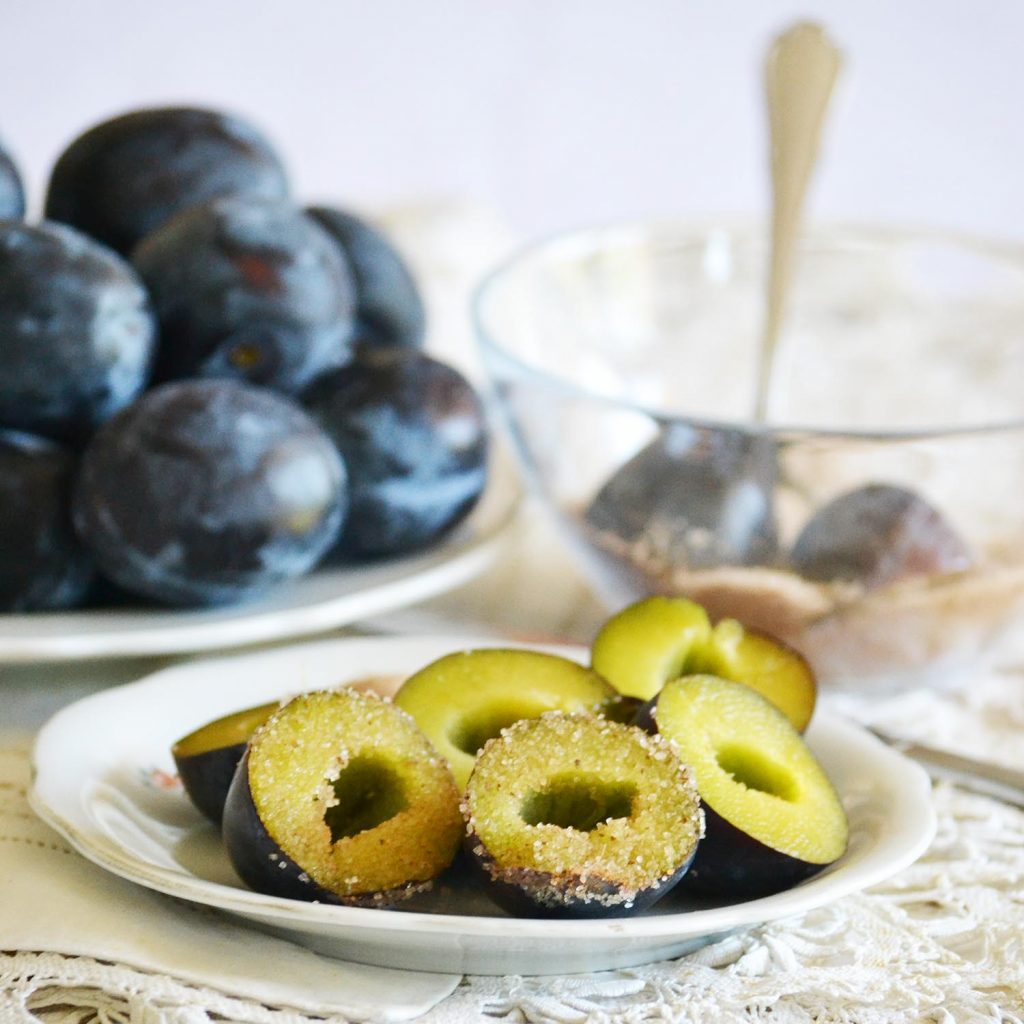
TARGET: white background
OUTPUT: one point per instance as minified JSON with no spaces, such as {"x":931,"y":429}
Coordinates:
{"x":556,"y":112}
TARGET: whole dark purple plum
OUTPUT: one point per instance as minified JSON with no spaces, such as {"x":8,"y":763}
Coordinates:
{"x":414,"y":438}
{"x":251,"y":289}
{"x":388,"y":303}
{"x":12,"y":191}
{"x":42,"y":564}
{"x":76,"y":331}
{"x":208,"y":492}
{"x":123,"y":178}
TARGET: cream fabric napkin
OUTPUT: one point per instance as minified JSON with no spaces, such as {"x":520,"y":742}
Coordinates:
{"x":53,"y":900}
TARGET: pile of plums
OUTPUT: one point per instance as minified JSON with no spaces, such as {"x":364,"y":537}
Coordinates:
{"x":204,"y":388}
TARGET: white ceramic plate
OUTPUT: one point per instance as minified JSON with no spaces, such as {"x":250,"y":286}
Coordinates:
{"x":102,"y":779}
{"x":323,"y":600}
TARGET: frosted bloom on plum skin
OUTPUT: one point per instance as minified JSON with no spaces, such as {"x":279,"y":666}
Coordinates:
{"x":413,"y":434}
{"x":12,"y":191}
{"x":248,"y":289}
{"x":123,"y":178}
{"x":181,"y":498}
{"x":77,"y":331}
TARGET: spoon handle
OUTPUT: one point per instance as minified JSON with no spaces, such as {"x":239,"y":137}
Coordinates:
{"x":800,"y":72}
{"x":985,"y":777}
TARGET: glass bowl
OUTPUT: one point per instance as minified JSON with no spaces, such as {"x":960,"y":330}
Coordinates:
{"x":624,"y":361}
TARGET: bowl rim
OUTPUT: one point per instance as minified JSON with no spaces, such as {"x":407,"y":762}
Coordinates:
{"x":1005,"y":250}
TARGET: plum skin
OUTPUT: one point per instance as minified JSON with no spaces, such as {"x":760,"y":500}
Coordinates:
{"x":78,"y":333}
{"x":206,"y":774}
{"x":388,"y":303}
{"x":515,"y":891}
{"x":248,"y":289}
{"x":207,"y":779}
{"x":44,"y":565}
{"x":260,"y":862}
{"x":12,"y":191}
{"x":208,"y":492}
{"x":414,"y":437}
{"x":124,"y":177}
{"x":751,"y":871}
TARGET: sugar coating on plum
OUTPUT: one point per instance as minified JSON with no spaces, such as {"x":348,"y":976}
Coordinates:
{"x":248,"y":289}
{"x":207,"y":492}
{"x":463,"y":699}
{"x":413,"y":434}
{"x":876,"y":535}
{"x":77,"y":331}
{"x":44,"y":565}
{"x":388,"y":303}
{"x":580,"y":816}
{"x":125,"y":177}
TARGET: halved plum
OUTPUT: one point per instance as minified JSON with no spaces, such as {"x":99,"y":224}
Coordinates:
{"x":773,"y":816}
{"x":649,"y":642}
{"x":464,"y":699}
{"x":570,"y":815}
{"x":207,"y":757}
{"x":657,"y":639}
{"x":340,"y":798}
{"x":775,"y":670}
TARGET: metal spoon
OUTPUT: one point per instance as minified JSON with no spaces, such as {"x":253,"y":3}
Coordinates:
{"x":800,"y":72}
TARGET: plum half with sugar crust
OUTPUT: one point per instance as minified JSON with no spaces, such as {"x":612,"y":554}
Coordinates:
{"x":773,"y":817}
{"x":570,"y":815}
{"x":340,"y":798}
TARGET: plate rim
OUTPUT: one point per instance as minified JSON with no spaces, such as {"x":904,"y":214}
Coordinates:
{"x":320,"y":917}
{"x":470,"y":549}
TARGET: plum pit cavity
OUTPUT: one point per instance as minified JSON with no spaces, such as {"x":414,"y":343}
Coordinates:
{"x":367,"y":792}
{"x":581,"y":802}
{"x":754,"y":770}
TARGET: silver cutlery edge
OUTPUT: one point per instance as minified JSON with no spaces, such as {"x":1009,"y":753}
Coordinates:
{"x":984,"y":777}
